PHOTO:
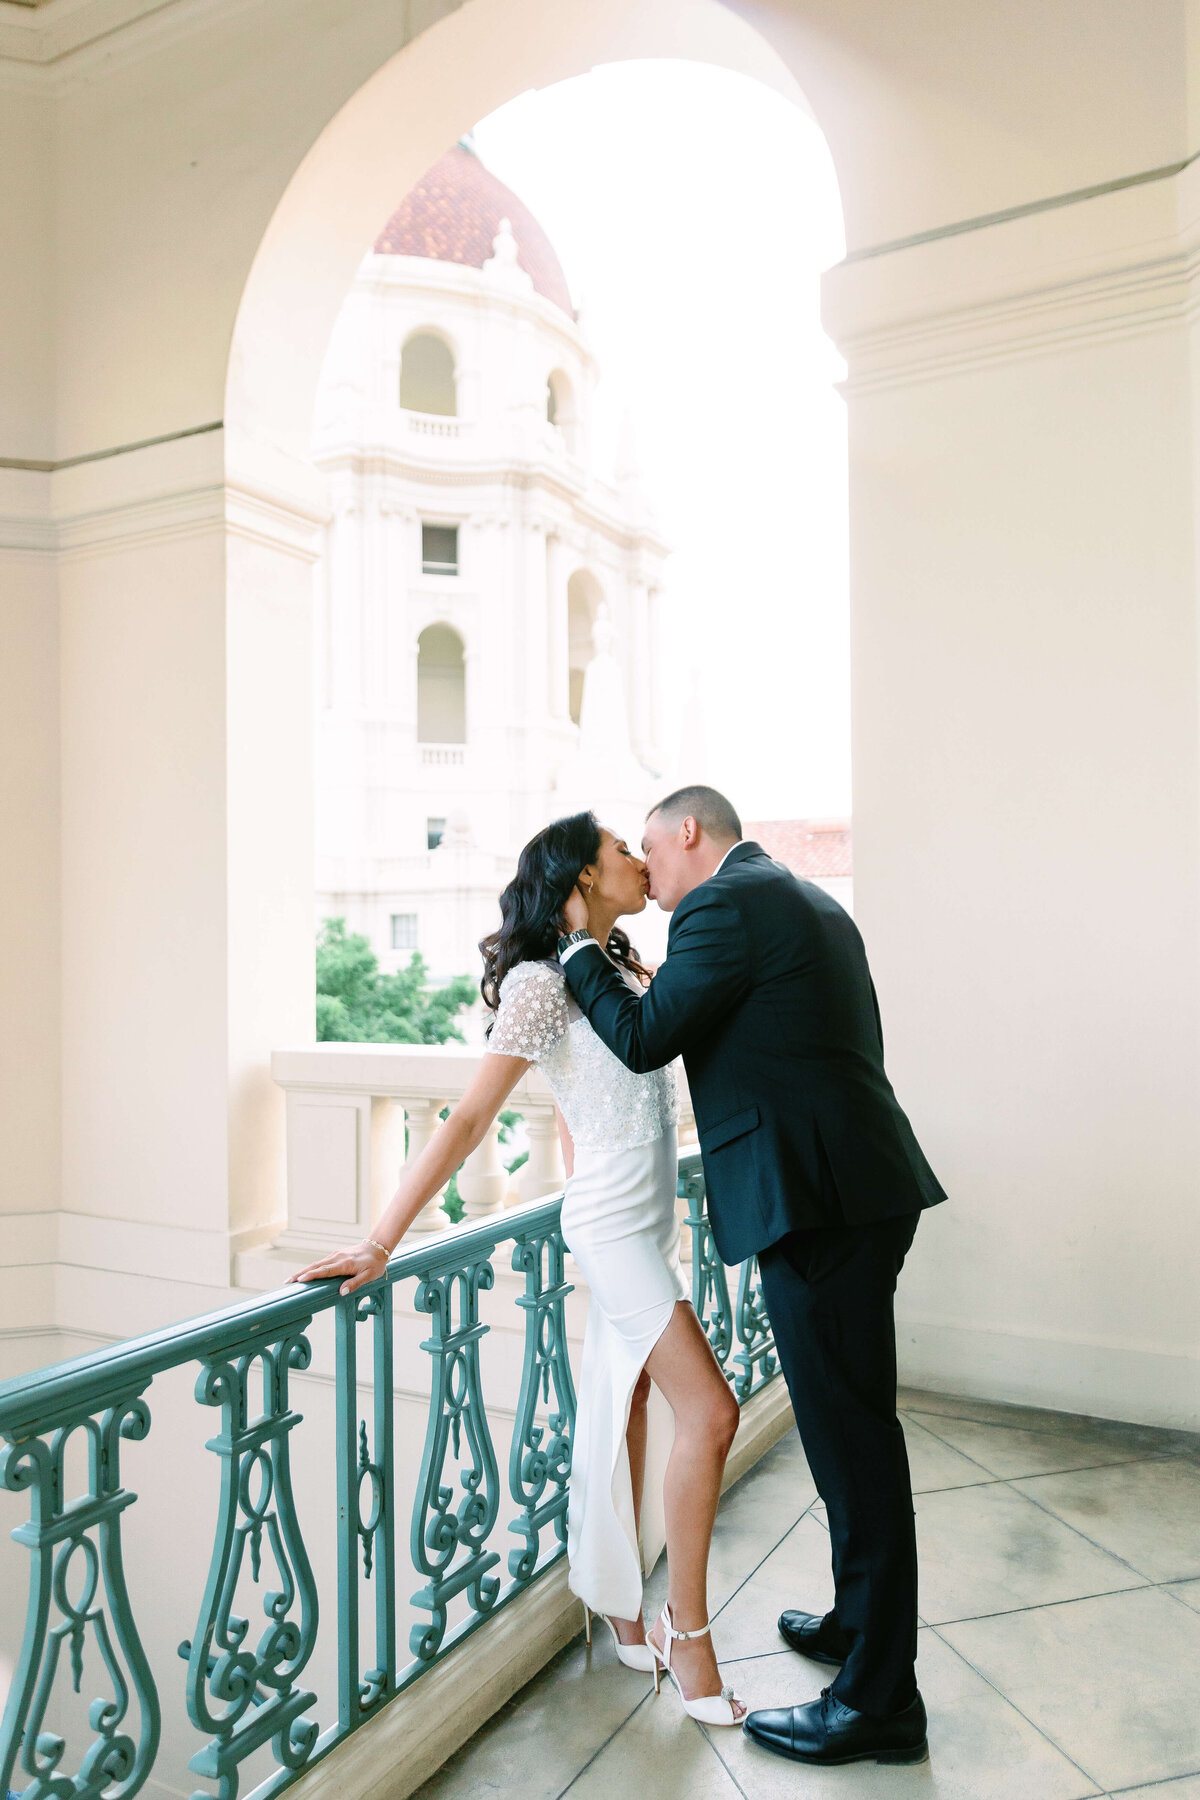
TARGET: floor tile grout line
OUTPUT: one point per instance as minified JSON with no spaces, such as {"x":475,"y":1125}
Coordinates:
{"x":767,"y":1554}
{"x":1104,"y":1551}
{"x":1011,"y":1612}
{"x":1166,"y":1588}
{"x":601,"y":1748}
{"x":1021,"y":1713}
{"x":1160,"y":1781}
{"x":716,"y":1752}
{"x":1044,"y":1474}
{"x":945,"y":1442}
{"x":1045,"y":1431}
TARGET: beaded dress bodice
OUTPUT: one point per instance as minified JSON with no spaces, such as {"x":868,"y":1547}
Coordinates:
{"x":606,"y":1106}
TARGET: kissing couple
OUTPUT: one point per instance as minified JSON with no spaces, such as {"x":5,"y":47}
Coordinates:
{"x":809,"y":1164}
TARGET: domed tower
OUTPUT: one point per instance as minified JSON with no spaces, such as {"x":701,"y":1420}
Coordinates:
{"x":472,"y":553}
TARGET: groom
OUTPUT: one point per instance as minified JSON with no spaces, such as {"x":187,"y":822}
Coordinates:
{"x":810,"y":1164}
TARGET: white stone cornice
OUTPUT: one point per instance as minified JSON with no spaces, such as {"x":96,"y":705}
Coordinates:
{"x":52,"y":48}
{"x":168,"y":490}
{"x":1115,"y":267}
{"x":549,"y":484}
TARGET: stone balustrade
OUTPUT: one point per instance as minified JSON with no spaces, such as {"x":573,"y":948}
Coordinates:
{"x":350,"y":1110}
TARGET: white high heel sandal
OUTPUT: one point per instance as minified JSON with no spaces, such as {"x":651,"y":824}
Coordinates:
{"x":709,"y":1709}
{"x":634,"y":1656}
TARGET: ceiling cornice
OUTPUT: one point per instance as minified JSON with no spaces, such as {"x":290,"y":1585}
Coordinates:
{"x":51,"y":47}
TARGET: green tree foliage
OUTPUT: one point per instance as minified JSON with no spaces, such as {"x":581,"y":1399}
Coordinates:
{"x":357,"y":1004}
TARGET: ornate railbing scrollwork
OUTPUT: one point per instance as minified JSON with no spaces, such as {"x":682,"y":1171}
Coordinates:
{"x":710,"y":1289}
{"x":539,"y":1465}
{"x":244,"y":1695}
{"x":257,"y":1513}
{"x":447,"y":1541}
{"x":76,"y":1543}
{"x":756,"y":1360}
{"x":366,"y":1505}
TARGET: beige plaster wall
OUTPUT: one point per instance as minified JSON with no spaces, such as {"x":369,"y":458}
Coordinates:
{"x":1023,"y":520}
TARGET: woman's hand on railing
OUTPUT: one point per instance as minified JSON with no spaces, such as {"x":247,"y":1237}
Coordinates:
{"x":362,"y":1263}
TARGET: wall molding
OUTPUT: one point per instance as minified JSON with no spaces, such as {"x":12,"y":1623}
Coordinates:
{"x":61,"y":45}
{"x":1137,"y":1385}
{"x":170,"y":487}
{"x":1027,"y":209}
{"x":1129,"y":269}
{"x":90,"y":456}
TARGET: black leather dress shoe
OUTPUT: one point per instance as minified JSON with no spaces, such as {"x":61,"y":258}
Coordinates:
{"x":827,"y":1732}
{"x":813,"y":1636}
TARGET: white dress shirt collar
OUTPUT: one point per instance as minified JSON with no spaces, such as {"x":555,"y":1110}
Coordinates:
{"x":728,"y":854}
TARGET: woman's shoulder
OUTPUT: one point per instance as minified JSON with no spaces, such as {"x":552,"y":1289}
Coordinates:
{"x":546,"y":974}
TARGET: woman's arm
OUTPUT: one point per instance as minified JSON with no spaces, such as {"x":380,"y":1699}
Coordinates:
{"x":449,"y":1146}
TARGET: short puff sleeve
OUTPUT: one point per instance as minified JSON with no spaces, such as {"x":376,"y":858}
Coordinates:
{"x":532,"y":1016}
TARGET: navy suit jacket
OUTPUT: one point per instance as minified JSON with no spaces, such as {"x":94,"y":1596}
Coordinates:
{"x":766,"y":994}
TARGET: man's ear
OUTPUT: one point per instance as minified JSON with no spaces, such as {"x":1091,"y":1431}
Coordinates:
{"x":691,"y":833}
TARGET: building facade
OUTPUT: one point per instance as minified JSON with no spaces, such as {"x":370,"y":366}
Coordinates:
{"x":487,"y":606}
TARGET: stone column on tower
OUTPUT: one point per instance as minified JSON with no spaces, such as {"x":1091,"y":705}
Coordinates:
{"x":557,"y":630}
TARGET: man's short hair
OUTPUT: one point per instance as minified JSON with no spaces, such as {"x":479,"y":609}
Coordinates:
{"x":711,"y":811}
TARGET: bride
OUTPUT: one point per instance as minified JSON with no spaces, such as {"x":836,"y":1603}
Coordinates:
{"x":618,"y":1221}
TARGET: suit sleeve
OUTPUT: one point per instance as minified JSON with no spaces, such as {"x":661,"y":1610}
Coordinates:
{"x":705,"y":973}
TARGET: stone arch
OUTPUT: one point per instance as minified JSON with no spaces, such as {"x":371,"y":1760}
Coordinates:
{"x":441,"y":686}
{"x":585,"y":596}
{"x":454,"y":73}
{"x":562,"y":406}
{"x":428,"y":373}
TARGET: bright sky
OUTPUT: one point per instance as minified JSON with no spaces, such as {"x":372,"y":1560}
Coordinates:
{"x":693,"y":210}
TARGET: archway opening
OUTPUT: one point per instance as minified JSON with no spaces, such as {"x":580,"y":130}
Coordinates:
{"x":441,"y":687}
{"x":428,"y":382}
{"x":382,"y":575}
{"x":584,"y":599}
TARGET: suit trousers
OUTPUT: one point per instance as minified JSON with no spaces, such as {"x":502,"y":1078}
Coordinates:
{"x":830,"y":1293}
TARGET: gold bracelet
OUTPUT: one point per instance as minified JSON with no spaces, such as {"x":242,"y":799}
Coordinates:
{"x":376,"y":1245}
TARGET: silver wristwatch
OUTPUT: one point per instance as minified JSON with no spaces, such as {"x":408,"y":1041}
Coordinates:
{"x":573,"y":937}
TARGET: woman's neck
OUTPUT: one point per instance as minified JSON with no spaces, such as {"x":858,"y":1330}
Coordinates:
{"x":601,"y":922}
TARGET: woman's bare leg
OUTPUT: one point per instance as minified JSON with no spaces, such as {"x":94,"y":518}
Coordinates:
{"x":633,"y":1631}
{"x":684,"y":1368}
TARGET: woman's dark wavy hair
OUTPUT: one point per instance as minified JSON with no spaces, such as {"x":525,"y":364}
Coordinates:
{"x":531,"y":905}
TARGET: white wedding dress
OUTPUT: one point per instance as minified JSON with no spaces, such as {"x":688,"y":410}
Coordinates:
{"x":618,"y":1220}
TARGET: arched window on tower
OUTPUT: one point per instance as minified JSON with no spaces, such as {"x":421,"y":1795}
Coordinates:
{"x":427,"y":378}
{"x":561,"y":409}
{"x":441,"y":687}
{"x":583,"y":600}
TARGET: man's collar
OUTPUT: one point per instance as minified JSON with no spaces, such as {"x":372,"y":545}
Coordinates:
{"x":735,"y":853}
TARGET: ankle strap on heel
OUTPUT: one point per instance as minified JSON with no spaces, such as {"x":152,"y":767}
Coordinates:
{"x":681,"y":1636}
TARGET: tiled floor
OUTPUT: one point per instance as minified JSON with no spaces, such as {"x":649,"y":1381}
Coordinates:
{"x":1059,"y":1646}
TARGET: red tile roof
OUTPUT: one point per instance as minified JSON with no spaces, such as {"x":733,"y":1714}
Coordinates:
{"x":813,"y":849}
{"x":453,"y":215}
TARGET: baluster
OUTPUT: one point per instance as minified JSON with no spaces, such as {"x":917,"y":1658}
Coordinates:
{"x":483,"y":1179}
{"x":754,"y":1333}
{"x":710,"y":1289}
{"x":422,"y":1116}
{"x":226,"y":1678}
{"x":365,"y":1463}
{"x":440,"y":1530}
{"x":84,"y":1532}
{"x":543,"y":1173}
{"x":534,"y":1464}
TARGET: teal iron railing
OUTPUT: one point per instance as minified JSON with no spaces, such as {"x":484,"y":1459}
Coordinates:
{"x":245,"y":1694}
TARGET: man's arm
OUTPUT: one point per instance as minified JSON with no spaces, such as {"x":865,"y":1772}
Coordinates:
{"x":706,"y":971}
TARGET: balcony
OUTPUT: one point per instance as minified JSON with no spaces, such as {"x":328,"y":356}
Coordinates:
{"x":1058,"y":1650}
{"x":346,"y":1517}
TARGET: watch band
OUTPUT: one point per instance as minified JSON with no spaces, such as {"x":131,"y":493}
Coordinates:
{"x":573,"y":937}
